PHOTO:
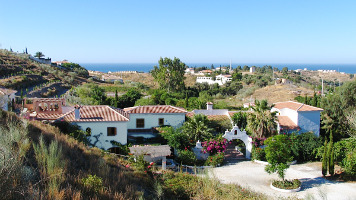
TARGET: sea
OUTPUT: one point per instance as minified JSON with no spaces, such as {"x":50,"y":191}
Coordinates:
{"x":147,"y":67}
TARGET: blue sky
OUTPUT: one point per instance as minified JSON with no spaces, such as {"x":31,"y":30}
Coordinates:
{"x":244,"y":31}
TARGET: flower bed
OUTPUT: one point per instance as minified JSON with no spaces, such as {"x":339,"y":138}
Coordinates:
{"x":286,"y":185}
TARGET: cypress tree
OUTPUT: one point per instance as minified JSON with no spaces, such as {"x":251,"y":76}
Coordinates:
{"x":324,"y":167}
{"x":331,"y":155}
{"x":116,"y":99}
{"x":315,"y":100}
{"x":186,"y":101}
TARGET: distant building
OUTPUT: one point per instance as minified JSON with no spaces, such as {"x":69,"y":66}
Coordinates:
{"x":297,"y":117}
{"x":7,"y":96}
{"x":219,"y":79}
{"x":283,"y":81}
{"x":189,"y":71}
{"x":59,"y":63}
{"x":41,"y":60}
{"x":252,"y":69}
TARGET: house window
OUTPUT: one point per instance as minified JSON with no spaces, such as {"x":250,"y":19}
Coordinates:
{"x":88,"y":131}
{"x":111,"y":131}
{"x":161,"y":121}
{"x":140,"y":123}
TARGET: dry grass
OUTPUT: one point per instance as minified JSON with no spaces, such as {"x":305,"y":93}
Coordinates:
{"x":278,"y":93}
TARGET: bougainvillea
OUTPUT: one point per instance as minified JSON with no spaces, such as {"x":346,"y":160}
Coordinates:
{"x":257,"y":142}
{"x":214,"y":146}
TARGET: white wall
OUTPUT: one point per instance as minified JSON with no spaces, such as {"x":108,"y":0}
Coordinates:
{"x":4,"y":102}
{"x":292,"y":114}
{"x":151,"y":119}
{"x":104,"y":139}
{"x":309,"y":121}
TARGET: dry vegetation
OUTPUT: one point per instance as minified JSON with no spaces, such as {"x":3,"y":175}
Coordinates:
{"x":278,"y":93}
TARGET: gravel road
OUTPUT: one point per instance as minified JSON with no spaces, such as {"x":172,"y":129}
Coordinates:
{"x":251,"y":175}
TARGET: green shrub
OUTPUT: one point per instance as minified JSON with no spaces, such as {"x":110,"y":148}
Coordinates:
{"x":215,"y":160}
{"x":349,"y":163}
{"x":258,"y":154}
{"x":345,"y":155}
{"x":186,"y":157}
{"x":180,"y":185}
{"x":305,"y":146}
{"x":93,"y":183}
{"x":294,"y":184}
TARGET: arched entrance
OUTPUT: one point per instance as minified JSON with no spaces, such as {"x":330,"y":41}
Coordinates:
{"x":236,"y":133}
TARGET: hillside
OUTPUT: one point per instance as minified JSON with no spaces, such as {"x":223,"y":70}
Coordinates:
{"x":18,"y":72}
{"x":278,"y":93}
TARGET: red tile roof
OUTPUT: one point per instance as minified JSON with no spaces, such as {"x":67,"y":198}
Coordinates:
{"x":97,"y":114}
{"x":286,"y":123}
{"x":48,"y":116}
{"x":296,"y":106}
{"x":154,"y":109}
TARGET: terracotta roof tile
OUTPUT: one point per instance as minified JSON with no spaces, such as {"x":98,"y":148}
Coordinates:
{"x":48,"y":116}
{"x":286,"y":123}
{"x":97,"y":113}
{"x":296,"y":106}
{"x":154,"y":109}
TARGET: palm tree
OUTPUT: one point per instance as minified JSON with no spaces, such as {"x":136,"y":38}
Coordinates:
{"x":39,"y":54}
{"x":262,"y":122}
{"x":197,"y":128}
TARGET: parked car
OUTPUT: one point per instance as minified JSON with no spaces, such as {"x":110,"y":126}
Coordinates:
{"x":170,"y":164}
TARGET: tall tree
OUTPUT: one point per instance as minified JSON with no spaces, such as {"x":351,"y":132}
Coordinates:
{"x":169,"y":74}
{"x":262,"y":122}
{"x":324,"y":166}
{"x":331,"y":155}
{"x":116,"y":99}
{"x":39,"y":54}
{"x":197,"y":128}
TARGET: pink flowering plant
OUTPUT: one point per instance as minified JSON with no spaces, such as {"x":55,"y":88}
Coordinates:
{"x":214,"y":146}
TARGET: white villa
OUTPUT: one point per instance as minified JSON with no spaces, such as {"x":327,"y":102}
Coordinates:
{"x":102,"y":123}
{"x":219,"y":79}
{"x":294,"y":116}
{"x":6,"y":96}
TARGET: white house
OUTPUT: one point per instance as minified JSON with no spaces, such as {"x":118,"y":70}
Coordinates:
{"x":6,"y":96}
{"x":146,"y":117}
{"x":294,"y":116}
{"x":252,"y":69}
{"x":189,"y":71}
{"x":103,"y":123}
{"x":219,"y":79}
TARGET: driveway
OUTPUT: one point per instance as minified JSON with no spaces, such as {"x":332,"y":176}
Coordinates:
{"x":251,"y":175}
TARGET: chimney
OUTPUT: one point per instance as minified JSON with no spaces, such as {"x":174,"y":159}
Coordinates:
{"x":77,"y":112}
{"x":209,"y":106}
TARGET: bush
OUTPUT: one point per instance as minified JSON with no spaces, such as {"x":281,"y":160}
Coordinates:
{"x":187,"y":157}
{"x":214,"y":146}
{"x":93,"y":183}
{"x":215,"y":160}
{"x":305,"y":146}
{"x":345,"y":155}
{"x":289,"y":185}
{"x":258,"y":154}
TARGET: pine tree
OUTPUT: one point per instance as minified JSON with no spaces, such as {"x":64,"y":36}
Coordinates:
{"x":331,"y":154}
{"x":324,"y":168}
{"x":306,"y":99}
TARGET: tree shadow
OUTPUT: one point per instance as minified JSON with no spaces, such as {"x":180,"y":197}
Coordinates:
{"x":308,"y":183}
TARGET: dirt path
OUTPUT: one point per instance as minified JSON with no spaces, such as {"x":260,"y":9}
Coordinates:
{"x":252,"y":175}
